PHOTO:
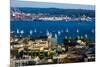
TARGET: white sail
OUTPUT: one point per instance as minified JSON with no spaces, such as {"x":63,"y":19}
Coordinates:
{"x":59,"y":32}
{"x":50,"y":35}
{"x":47,"y":33}
{"x":81,"y":37}
{"x":18,"y":31}
{"x":93,"y":31}
{"x":66,"y":37}
{"x":22,"y":31}
{"x":55,"y":35}
{"x":31,"y":32}
{"x":78,"y":37}
{"x":77,"y":30}
{"x":70,"y":37}
{"x":86,"y":35}
{"x":35,"y":30}
{"x":13,"y":14}
{"x":67,"y":30}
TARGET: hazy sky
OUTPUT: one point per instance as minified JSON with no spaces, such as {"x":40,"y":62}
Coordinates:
{"x":15,"y":3}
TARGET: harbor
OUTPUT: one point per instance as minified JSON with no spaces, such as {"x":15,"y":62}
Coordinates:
{"x":48,"y":34}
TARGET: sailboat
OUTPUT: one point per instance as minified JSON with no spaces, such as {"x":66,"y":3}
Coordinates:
{"x":81,"y":37}
{"x":77,"y":30}
{"x":59,"y":32}
{"x":50,"y":36}
{"x":67,"y":30}
{"x":22,"y":32}
{"x":18,"y":31}
{"x":66,"y":37}
{"x":78,"y":37}
{"x":47,"y":33}
{"x":55,"y":35}
{"x":35,"y":30}
{"x":70,"y":37}
{"x":93,"y":31}
{"x":86,"y":36}
{"x":31,"y":32}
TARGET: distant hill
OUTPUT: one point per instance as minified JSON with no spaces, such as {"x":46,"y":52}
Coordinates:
{"x":57,"y":11}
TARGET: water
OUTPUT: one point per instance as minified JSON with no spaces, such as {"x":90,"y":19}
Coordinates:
{"x":61,"y":29}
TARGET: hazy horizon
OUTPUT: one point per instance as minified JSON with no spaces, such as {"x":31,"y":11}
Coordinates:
{"x":31,"y":4}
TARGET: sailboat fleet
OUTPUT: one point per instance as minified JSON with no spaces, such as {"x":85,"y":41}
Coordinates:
{"x":58,"y":33}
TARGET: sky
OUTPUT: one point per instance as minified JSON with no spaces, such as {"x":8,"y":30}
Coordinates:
{"x":16,"y":3}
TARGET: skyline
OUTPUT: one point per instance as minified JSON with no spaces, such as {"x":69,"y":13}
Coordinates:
{"x":32,"y":4}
